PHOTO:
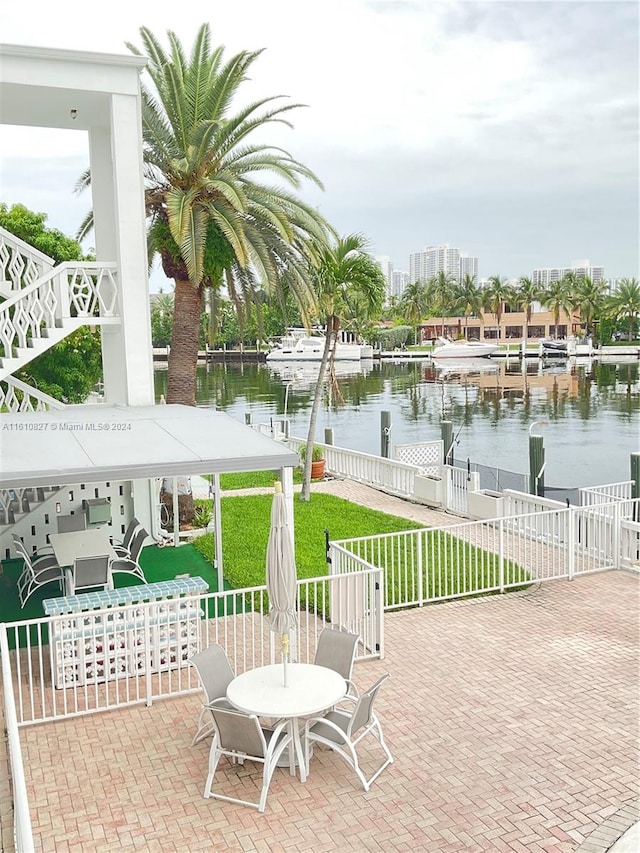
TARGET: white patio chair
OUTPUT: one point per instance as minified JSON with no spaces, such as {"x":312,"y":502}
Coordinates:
{"x":46,"y":552}
{"x":215,"y":675}
{"x":241,"y":737}
{"x":71,"y":523}
{"x":337,"y":650}
{"x":128,"y":564}
{"x":90,"y":572}
{"x":34,"y":575}
{"x":343,"y":730}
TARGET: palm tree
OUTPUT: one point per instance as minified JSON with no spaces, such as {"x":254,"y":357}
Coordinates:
{"x":495,"y":295}
{"x":468,"y":299}
{"x":526,"y":293}
{"x":557,"y":297}
{"x":589,"y":299}
{"x":625,"y":302}
{"x":414,"y":304}
{"x":343,"y":272}
{"x":442,"y":287}
{"x":211,"y":221}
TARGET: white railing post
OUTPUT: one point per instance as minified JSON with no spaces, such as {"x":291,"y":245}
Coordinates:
{"x":379,"y":606}
{"x":23,"y":834}
{"x":501,"y":554}
{"x":616,"y":537}
{"x":570,"y":539}
{"x":420,"y":558}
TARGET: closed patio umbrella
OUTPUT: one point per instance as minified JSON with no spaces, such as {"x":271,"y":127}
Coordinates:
{"x":281,"y":575}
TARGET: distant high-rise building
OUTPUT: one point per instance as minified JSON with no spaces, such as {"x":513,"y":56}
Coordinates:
{"x":546,"y":275}
{"x":468,"y":266}
{"x":399,"y":280}
{"x":425,"y":264}
{"x":384,"y":262}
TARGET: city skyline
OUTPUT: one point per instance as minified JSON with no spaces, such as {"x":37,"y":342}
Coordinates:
{"x":506,"y":128}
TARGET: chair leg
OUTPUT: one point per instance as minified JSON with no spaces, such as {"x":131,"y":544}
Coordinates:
{"x":214,"y":759}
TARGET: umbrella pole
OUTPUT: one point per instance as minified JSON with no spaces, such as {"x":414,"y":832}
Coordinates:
{"x":285,"y":655}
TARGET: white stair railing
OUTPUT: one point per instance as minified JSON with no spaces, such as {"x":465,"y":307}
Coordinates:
{"x":17,"y":396}
{"x":71,"y":295}
{"x":20,"y":264}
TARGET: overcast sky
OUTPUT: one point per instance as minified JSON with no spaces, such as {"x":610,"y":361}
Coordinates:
{"x":507,"y":129}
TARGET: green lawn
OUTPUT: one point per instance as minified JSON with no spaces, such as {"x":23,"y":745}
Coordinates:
{"x":245,"y":531}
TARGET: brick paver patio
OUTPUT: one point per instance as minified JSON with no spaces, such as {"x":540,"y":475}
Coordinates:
{"x":513,"y":721}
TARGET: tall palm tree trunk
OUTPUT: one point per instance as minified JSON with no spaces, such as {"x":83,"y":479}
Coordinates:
{"x":305,"y":494}
{"x":183,"y":360}
{"x":183,"y":355}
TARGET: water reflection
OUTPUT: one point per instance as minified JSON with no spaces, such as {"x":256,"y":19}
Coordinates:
{"x":591,"y":407}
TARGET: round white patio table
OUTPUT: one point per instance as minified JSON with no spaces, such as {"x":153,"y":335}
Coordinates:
{"x":310,"y":690}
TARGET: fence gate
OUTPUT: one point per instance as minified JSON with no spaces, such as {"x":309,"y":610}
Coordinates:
{"x":356,"y":598}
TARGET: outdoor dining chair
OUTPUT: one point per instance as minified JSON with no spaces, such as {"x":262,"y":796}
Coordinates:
{"x":241,"y":737}
{"x":71,"y":523}
{"x":44,"y":553}
{"x":337,"y":650}
{"x":343,"y":731}
{"x":123,"y":549}
{"x":45,"y":570}
{"x":215,"y":674}
{"x":128,"y":564}
{"x":89,"y":572}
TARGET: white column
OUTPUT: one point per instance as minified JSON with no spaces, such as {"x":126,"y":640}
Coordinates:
{"x":120,"y":234}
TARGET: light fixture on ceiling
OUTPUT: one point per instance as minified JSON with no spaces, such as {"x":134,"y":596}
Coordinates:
{"x":74,"y":113}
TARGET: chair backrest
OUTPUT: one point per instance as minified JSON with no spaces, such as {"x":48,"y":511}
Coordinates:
{"x":238,"y":732}
{"x":214,"y":671}
{"x":129,"y":533}
{"x":91,"y":571}
{"x":71,"y":523}
{"x":140,"y":536}
{"x":19,"y":546}
{"x":363,"y":710}
{"x":336,"y":650}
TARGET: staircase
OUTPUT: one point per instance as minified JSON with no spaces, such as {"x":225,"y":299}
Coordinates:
{"x":46,"y":302}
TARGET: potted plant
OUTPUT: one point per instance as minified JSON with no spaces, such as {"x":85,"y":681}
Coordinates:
{"x":317,"y":460}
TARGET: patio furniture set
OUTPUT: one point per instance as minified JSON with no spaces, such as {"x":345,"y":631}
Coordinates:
{"x":311,"y":704}
{"x":78,"y":558}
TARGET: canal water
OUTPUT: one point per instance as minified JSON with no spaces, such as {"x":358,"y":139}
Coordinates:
{"x":588,"y":413}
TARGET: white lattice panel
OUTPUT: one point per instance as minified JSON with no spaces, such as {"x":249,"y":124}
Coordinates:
{"x":428,"y":456}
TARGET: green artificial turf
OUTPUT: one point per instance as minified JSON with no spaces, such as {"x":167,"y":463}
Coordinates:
{"x":158,"y":564}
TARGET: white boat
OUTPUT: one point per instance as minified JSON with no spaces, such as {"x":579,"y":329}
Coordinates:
{"x":463,"y":349}
{"x":310,"y":348}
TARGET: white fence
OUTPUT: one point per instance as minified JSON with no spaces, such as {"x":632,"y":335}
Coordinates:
{"x":396,"y":478}
{"x":630,"y":544}
{"x":477,"y":557}
{"x":607,"y":493}
{"x":64,"y":666}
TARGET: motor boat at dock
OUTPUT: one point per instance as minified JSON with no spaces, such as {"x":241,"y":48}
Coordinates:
{"x":445,"y":348}
{"x":301,"y":347}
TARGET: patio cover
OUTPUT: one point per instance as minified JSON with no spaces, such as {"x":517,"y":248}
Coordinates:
{"x":89,"y":444}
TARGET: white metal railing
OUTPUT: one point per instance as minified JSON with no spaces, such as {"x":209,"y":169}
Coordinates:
{"x":630,"y":544}
{"x":471,"y":558}
{"x":20,"y":263}
{"x":458,"y":483}
{"x":606,"y":493}
{"x":22,"y":832}
{"x":396,"y":478}
{"x":17,"y":396}
{"x":521,"y":503}
{"x":64,"y":667}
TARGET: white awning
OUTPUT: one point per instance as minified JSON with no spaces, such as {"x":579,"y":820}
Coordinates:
{"x":89,"y":444}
